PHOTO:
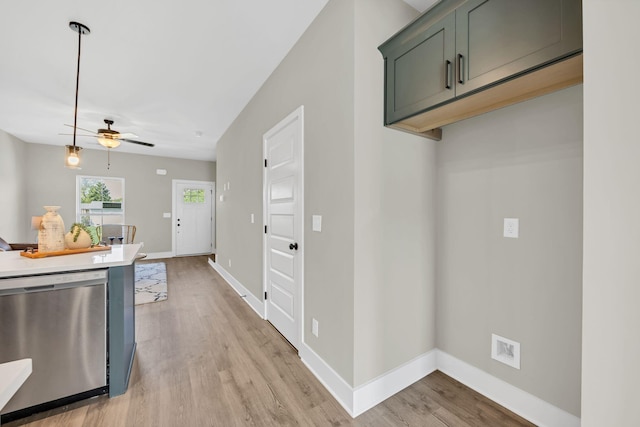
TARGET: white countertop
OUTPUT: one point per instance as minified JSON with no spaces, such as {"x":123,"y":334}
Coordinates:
{"x":14,"y":265}
{"x":12,"y":376}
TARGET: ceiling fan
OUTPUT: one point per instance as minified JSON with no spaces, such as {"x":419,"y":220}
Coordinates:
{"x":111,"y":138}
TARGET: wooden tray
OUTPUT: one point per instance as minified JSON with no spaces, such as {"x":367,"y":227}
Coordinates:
{"x":37,"y":254}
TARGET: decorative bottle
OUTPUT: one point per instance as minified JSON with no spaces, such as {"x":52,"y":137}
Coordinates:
{"x":51,"y":232}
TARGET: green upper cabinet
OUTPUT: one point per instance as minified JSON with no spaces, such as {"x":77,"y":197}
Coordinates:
{"x":459,"y":47}
{"x":497,"y":39}
{"x":420,"y":73}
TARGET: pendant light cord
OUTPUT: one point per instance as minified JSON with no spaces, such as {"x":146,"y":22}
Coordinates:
{"x":75,"y":113}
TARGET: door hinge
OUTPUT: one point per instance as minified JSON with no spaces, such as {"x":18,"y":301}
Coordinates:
{"x":265,"y":163}
{"x":265,"y":229}
{"x":265,"y":295}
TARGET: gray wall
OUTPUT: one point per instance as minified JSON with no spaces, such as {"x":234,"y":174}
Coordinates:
{"x":394,"y":232}
{"x":524,"y":161}
{"x":373,"y":188}
{"x":147,"y":195}
{"x":317,"y":73}
{"x":14,"y":221}
{"x":611,"y":316}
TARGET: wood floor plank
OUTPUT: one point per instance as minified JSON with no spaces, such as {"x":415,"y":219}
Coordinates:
{"x":205,"y":359}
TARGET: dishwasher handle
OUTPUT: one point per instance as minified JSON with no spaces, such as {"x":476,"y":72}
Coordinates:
{"x":40,"y":288}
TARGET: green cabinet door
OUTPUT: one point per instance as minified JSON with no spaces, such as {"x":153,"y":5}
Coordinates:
{"x":497,"y":39}
{"x":419,"y":73}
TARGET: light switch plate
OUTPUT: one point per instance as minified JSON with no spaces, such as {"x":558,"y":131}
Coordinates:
{"x":316,"y":223}
{"x":511,"y":227}
{"x":253,"y":219}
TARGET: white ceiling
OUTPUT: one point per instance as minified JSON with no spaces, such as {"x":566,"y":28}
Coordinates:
{"x":165,"y":71}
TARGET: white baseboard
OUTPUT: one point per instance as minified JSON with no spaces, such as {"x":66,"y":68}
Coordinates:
{"x":362,"y":398}
{"x":516,"y":400}
{"x":254,"y":303}
{"x":378,"y":390}
{"x":329,"y":378}
{"x":158,"y":255}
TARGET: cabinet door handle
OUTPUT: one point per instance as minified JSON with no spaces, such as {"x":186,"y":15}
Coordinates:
{"x":447,"y":75}
{"x":460,"y":69}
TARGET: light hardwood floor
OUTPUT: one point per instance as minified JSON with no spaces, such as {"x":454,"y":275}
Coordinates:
{"x":204,"y":358}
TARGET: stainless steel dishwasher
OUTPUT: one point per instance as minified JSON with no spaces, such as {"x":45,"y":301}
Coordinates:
{"x":60,"y":322}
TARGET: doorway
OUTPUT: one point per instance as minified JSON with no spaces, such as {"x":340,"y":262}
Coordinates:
{"x":283,"y":193}
{"x":194,"y":216}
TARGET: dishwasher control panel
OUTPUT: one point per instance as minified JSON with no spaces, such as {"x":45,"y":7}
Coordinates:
{"x":54,"y":279}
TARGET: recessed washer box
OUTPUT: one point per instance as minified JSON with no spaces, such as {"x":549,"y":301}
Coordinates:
{"x":505,"y":351}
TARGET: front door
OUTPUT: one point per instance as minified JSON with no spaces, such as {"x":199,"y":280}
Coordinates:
{"x":283,"y":192}
{"x":193,"y":217}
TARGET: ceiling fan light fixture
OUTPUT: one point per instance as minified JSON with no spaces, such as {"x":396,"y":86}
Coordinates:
{"x":72,"y":156}
{"x":107,"y":141}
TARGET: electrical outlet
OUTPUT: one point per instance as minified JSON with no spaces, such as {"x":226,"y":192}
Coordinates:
{"x":229,"y":262}
{"x":314,"y":327}
{"x":511,"y":227}
{"x":316,"y":223}
{"x":253,"y":219}
{"x":505,"y":351}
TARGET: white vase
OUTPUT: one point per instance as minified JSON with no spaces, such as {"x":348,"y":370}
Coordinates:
{"x":83,"y":241}
{"x":51,"y":232}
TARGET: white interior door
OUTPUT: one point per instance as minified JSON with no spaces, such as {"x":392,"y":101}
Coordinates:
{"x":283,"y":193}
{"x":193,"y":217}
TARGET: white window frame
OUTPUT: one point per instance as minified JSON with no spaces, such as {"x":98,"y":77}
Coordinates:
{"x":79,"y":214}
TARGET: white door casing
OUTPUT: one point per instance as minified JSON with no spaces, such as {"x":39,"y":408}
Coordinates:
{"x":192,"y":217}
{"x":283,"y":192}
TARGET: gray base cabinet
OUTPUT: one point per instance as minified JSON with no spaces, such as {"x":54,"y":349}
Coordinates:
{"x":122,"y":327}
{"x":461,"y":47}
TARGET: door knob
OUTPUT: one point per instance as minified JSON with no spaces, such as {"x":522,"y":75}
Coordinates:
{"x":293,"y":246}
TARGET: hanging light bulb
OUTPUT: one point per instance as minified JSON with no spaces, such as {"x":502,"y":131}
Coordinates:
{"x":72,"y":156}
{"x":72,"y":152}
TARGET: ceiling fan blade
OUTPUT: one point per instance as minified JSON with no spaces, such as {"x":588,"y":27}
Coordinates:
{"x":126,"y":135}
{"x":86,"y":130}
{"x":146,"y":144}
{"x":70,"y":134}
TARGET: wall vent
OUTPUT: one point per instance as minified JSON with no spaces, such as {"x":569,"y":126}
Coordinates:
{"x":505,"y":350}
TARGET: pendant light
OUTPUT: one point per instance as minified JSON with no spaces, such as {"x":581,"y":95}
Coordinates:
{"x":72,"y":152}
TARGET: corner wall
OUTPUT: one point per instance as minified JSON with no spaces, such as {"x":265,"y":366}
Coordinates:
{"x":15,"y":224}
{"x":394,"y":258}
{"x":525,"y":162}
{"x":611,"y":348}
